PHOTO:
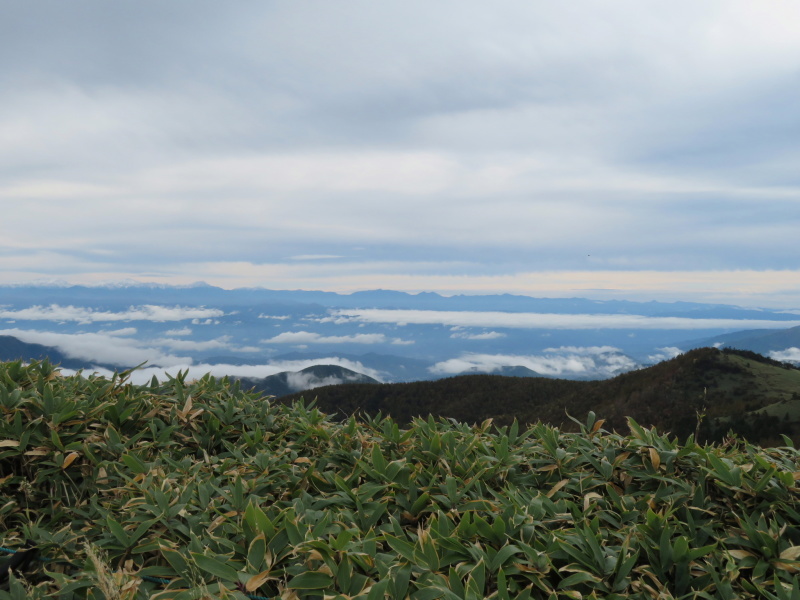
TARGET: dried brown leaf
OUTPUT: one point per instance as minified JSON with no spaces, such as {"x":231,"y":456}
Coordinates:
{"x":557,"y":487}
{"x":71,"y":457}
{"x":256,"y":581}
{"x":655,"y":458}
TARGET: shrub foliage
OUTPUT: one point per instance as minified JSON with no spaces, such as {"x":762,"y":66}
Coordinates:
{"x":197,"y":489}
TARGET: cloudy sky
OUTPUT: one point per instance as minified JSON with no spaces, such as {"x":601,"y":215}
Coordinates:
{"x":634,"y":149}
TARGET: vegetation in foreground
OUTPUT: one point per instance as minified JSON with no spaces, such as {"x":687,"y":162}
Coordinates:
{"x":200,"y":490}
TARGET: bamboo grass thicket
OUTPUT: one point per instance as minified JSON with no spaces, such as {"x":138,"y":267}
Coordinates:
{"x":187,"y":490}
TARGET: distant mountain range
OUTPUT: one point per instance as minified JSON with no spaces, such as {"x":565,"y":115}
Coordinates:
{"x":127,"y":293}
{"x":762,"y":341}
{"x":734,"y":390}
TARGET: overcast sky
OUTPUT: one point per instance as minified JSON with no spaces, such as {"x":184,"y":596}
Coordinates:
{"x":633,"y":149}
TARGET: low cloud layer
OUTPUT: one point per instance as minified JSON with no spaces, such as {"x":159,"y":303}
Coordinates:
{"x":195,"y":371}
{"x":307,"y":381}
{"x":791,"y":355}
{"x":118,"y":347}
{"x":220,"y":343}
{"x":80,"y":314}
{"x":309,"y":337}
{"x":545,"y":320}
{"x":591,"y":362}
{"x":103,"y":348}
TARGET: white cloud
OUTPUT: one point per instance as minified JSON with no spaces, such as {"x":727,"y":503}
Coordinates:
{"x":308,"y":337}
{"x":100,"y":348}
{"x":198,"y":321}
{"x":79,"y":314}
{"x":250,"y":349}
{"x":307,"y":381}
{"x":567,"y":364}
{"x":665,"y":353}
{"x":179,"y":332}
{"x":196,"y":345}
{"x":124,"y":331}
{"x":584,"y":350}
{"x":791,"y":355}
{"x":488,"y":335}
{"x":278,"y":317}
{"x":545,"y":320}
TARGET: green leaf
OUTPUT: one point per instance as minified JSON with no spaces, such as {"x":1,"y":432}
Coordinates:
{"x":378,"y":591}
{"x":401,"y":580}
{"x":118,"y":531}
{"x":476,"y":582}
{"x":680,"y":548}
{"x":216,"y":568}
{"x":402,"y":547}
{"x":378,"y":461}
{"x":176,"y":560}
{"x":502,"y":556}
{"x":134,"y":463}
{"x":698,"y":552}
{"x":56,"y":440}
{"x":256,"y":553}
{"x":576,"y":578}
{"x":258,"y":520}
{"x":428,"y":593}
{"x":310,"y":580}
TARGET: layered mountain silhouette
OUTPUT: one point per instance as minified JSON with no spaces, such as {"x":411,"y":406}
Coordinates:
{"x":707,"y":391}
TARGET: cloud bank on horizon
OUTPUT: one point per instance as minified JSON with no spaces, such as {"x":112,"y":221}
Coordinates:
{"x":636,"y":150}
{"x":522,"y":320}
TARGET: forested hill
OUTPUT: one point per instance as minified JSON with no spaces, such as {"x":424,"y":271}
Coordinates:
{"x":757,"y":397}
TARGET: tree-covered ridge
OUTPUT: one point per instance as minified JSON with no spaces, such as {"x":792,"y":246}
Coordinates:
{"x":200,"y":490}
{"x":754,"y":396}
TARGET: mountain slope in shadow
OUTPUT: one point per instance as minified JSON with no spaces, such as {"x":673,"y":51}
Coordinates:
{"x":723,"y":390}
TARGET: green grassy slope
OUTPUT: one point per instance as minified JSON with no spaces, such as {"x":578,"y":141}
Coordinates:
{"x":738,"y":390}
{"x":198,"y":490}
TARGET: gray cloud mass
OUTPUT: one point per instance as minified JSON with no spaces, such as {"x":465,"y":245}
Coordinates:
{"x":454,"y":146}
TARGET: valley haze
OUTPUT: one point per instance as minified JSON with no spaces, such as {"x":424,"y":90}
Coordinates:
{"x":388,"y":336}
